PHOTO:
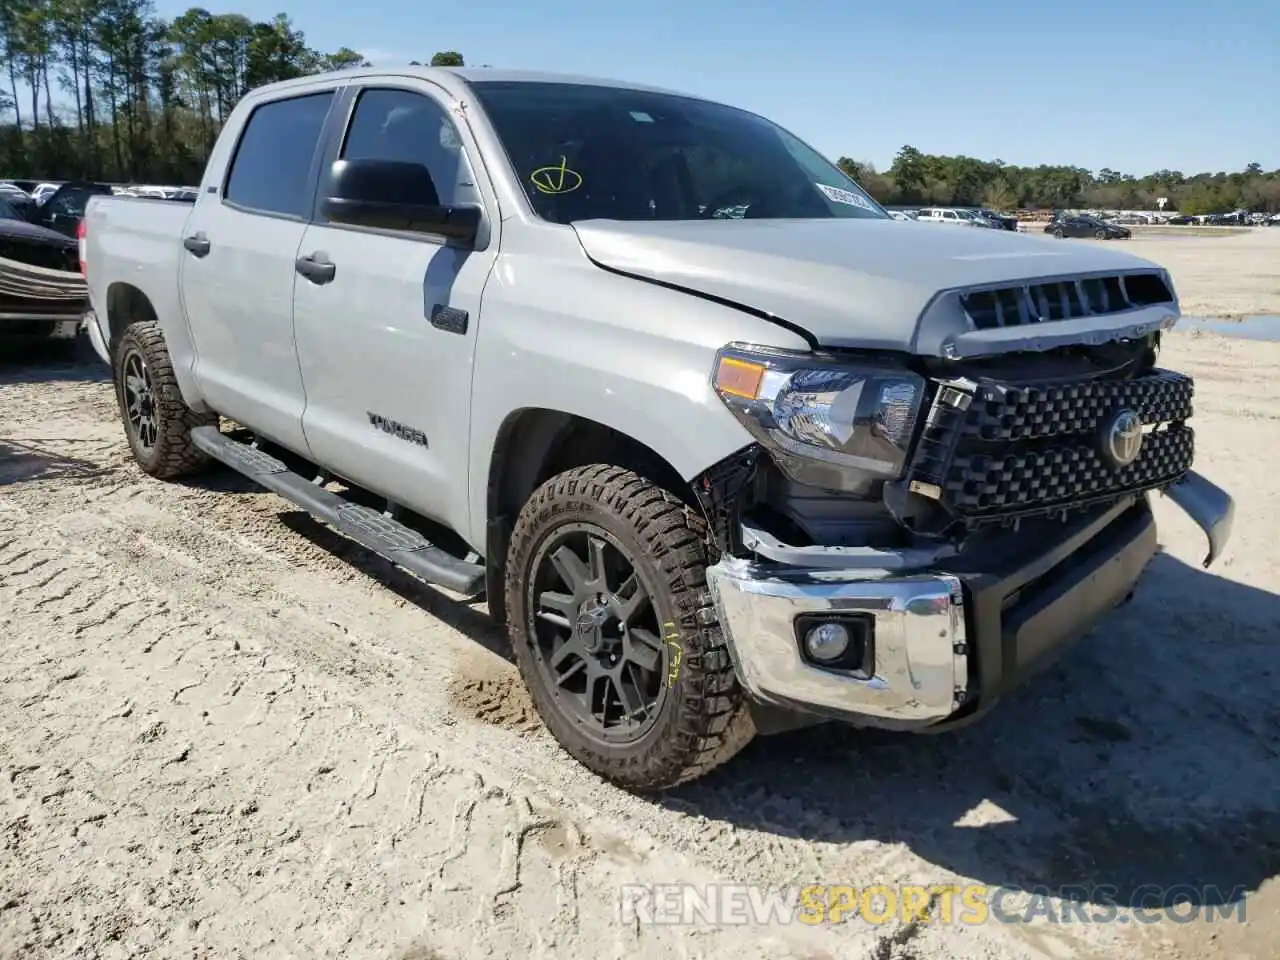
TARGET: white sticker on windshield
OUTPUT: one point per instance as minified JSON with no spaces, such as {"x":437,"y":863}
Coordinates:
{"x":845,"y":196}
{"x":641,"y":117}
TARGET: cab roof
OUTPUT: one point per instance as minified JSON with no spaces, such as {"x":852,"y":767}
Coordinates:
{"x":457,"y":79}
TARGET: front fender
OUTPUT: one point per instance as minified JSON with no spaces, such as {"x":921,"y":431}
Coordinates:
{"x":625,"y":353}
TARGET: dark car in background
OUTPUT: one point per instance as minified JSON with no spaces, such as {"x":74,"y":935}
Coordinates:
{"x":1006,"y":223}
{"x":64,"y":209}
{"x":42,"y":294}
{"x":1084,"y":226}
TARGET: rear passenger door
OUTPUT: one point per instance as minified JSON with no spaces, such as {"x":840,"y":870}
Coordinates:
{"x":386,"y":341}
{"x":238,"y":274}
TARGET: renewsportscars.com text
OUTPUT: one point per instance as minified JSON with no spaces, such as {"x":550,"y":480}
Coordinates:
{"x":963,"y":904}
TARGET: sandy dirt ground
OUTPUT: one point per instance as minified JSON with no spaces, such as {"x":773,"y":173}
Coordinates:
{"x":226,"y":732}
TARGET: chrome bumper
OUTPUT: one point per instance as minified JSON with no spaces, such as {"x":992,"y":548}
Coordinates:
{"x":919,"y":647}
{"x":1014,"y":617}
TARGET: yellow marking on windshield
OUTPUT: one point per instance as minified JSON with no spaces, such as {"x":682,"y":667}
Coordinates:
{"x":556,"y":179}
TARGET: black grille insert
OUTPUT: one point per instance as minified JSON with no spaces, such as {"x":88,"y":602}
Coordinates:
{"x":996,"y":452}
{"x":1066,"y":299}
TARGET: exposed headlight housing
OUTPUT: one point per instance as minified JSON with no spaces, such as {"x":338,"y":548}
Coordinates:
{"x":828,"y":422}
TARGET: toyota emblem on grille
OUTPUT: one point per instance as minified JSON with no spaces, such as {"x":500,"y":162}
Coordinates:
{"x":1122,"y":438}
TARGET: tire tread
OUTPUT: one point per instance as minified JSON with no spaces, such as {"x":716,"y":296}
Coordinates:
{"x":175,"y":455}
{"x":714,"y":722}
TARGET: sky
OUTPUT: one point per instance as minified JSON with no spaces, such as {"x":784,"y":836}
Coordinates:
{"x":1134,"y":85}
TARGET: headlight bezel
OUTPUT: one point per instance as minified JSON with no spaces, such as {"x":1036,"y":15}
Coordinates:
{"x":834,"y":421}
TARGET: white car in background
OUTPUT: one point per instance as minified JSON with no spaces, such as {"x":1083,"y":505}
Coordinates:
{"x":12,"y":190}
{"x":961,"y":218}
{"x":44,"y":191}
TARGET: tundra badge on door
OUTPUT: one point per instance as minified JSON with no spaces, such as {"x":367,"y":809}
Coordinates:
{"x":387,"y":425}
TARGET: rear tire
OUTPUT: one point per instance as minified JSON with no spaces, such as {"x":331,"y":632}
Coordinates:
{"x":157,"y":422}
{"x":1059,"y":234}
{"x":662,"y":656}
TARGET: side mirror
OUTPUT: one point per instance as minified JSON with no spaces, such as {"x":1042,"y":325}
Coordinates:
{"x":395,"y":195}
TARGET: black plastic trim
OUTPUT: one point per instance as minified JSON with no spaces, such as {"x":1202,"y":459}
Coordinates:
{"x":1022,"y":616}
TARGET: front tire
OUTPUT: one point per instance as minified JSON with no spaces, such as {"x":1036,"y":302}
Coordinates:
{"x":1100,"y":235}
{"x":1059,"y":234}
{"x":608,"y":618}
{"x":157,"y":422}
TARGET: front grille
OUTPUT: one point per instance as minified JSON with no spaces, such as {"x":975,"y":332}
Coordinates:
{"x":1018,"y":412}
{"x":997,"y":452}
{"x":1066,"y":299}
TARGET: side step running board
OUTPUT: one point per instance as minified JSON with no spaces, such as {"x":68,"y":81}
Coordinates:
{"x":388,"y":538}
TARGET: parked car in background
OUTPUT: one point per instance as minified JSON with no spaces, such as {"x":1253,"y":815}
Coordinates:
{"x":951,"y":215}
{"x":1084,"y":226}
{"x":65,"y":207}
{"x":901,"y":215}
{"x":36,"y":306}
{"x":999,"y":219}
{"x":18,"y":200}
{"x":44,"y":191}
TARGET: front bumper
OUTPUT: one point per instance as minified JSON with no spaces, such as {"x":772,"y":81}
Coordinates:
{"x":946,"y":643}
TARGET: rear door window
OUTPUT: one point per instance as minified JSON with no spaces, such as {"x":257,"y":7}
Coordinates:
{"x":271,"y":169}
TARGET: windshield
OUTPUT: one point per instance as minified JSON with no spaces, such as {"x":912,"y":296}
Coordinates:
{"x":6,"y":211}
{"x":586,"y":152}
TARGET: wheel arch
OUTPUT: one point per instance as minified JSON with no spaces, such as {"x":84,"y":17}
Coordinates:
{"x":534,"y":444}
{"x":127,"y":304}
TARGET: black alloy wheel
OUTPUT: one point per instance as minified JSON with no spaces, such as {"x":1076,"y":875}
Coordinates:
{"x":139,"y":399}
{"x":597,"y":640}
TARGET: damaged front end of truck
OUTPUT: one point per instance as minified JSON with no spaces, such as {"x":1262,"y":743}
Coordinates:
{"x":910,"y":536}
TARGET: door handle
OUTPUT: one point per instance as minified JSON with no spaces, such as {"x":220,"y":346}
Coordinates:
{"x":197,"y":244}
{"x":317,"y":271}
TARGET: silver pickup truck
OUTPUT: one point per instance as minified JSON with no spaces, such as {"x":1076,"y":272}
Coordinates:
{"x":727,"y":448}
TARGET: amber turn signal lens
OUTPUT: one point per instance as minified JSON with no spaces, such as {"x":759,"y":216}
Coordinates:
{"x":739,"y":378}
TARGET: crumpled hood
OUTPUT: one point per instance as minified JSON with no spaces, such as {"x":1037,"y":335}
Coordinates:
{"x":848,"y":281}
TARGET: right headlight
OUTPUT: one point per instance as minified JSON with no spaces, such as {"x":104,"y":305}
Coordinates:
{"x":828,"y":422}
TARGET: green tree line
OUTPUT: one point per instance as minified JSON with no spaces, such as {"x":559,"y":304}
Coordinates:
{"x":107,"y":90}
{"x":921,"y":178}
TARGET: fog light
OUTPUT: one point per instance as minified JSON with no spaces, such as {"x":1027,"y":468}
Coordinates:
{"x":827,"y":642}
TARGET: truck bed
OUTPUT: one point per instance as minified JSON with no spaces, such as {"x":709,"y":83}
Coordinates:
{"x":135,"y":242}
